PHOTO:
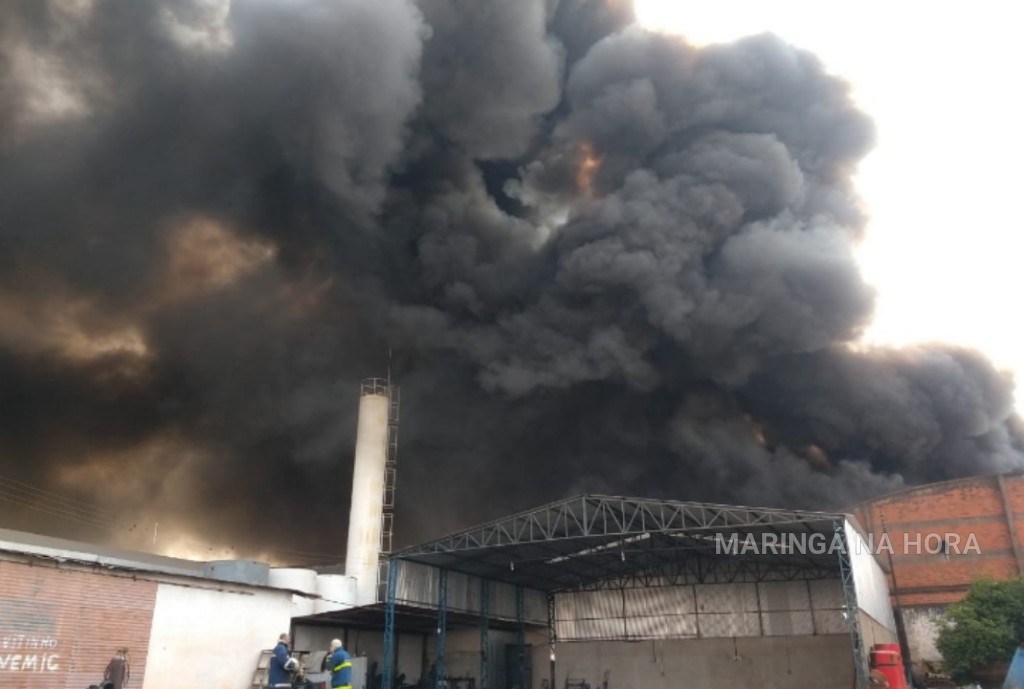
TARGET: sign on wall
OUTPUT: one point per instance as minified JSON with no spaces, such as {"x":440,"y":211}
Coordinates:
{"x":61,"y":627}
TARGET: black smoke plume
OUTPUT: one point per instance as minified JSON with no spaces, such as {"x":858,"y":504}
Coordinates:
{"x":603,"y":259}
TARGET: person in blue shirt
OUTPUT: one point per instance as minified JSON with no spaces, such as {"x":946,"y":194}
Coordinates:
{"x":278,"y":673}
{"x":340,"y":666}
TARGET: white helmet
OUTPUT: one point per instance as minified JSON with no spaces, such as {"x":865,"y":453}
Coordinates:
{"x":291,"y":665}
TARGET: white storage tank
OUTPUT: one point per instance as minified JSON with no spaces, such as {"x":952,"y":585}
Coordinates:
{"x":295,"y":579}
{"x":336,"y":591}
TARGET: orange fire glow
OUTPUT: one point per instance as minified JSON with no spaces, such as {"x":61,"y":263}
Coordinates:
{"x":590,"y":163}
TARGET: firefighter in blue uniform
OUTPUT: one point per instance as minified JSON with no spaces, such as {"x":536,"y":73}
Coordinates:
{"x":340,"y":665}
{"x":279,"y":674}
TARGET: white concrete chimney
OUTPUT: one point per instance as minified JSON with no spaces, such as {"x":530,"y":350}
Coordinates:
{"x":364,"y":521}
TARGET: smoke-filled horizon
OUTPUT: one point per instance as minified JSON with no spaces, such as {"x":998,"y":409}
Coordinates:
{"x":602,"y":260}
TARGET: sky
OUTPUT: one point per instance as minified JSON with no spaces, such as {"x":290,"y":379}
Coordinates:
{"x":945,"y":241}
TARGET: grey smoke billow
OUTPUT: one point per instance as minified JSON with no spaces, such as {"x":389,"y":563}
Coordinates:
{"x":602,"y":259}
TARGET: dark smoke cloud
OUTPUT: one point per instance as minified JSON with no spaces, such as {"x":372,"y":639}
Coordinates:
{"x":604,"y":259}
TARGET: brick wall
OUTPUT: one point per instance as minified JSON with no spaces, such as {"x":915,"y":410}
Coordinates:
{"x":924,"y":524}
{"x":59,"y":627}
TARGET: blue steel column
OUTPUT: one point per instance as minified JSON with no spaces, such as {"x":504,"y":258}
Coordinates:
{"x":485,"y":647}
{"x":389,"y":625}
{"x":442,"y":627}
{"x":852,"y":610}
{"x":520,"y":638}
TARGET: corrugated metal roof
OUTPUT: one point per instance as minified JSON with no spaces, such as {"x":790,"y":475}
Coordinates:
{"x":88,"y":553}
{"x":591,"y":538}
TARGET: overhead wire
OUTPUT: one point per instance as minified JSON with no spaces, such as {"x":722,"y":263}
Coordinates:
{"x":48,"y":502}
{"x":59,"y":496}
{"x":55,"y":512}
{"x":56,"y":499}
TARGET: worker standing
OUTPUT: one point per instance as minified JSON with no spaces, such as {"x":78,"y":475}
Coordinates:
{"x":279,"y":675}
{"x":117,"y":674}
{"x":341,"y":666}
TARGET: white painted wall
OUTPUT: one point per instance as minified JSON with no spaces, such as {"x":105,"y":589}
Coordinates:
{"x":869,"y":580}
{"x":212,"y":638}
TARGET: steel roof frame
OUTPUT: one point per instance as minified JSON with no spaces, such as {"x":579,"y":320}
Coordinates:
{"x":592,"y":540}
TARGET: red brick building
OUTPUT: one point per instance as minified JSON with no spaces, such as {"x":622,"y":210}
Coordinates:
{"x":943,"y":536}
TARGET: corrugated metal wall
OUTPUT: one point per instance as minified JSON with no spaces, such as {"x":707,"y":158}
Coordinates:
{"x":60,"y":627}
{"x":418,"y":585}
{"x":701,"y":611}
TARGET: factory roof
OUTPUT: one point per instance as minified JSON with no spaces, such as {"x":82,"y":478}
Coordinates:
{"x":596,"y":541}
{"x":22,"y":544}
{"x":62,"y":550}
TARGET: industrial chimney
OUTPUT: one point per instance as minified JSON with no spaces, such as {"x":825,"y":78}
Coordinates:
{"x":372,"y":487}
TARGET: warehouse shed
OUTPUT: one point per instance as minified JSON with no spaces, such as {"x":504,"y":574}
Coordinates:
{"x":619,"y":592}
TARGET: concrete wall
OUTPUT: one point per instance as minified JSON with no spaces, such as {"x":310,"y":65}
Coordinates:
{"x":922,"y":625}
{"x":874,"y":633}
{"x":785,"y":662}
{"x":212,"y":638}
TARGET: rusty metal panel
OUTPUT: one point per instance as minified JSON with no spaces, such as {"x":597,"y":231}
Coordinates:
{"x":784,"y":595}
{"x":60,"y":627}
